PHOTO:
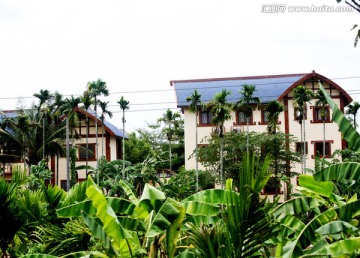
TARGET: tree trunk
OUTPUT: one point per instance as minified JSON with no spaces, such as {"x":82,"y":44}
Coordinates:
{"x":43,"y":152}
{"x":303,"y":147}
{"x":57,"y":169}
{"x":96,"y":134}
{"x":196,"y":153}
{"x":123,"y":144}
{"x":102,"y":138}
{"x":324,"y":140}
{"x":247,"y":134}
{"x":222,"y":162}
{"x":170,"y":149}
{"x":67,"y":156}
{"x":87,"y":144}
{"x":276,"y":163}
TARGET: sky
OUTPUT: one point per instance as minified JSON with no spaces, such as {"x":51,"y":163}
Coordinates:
{"x":137,"y":47}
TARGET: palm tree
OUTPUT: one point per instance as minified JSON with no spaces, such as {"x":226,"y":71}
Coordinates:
{"x":96,"y":89}
{"x":246,"y":102}
{"x":170,"y":120}
{"x":273,"y":110}
{"x":44,"y":98}
{"x":87,"y":102}
{"x":56,"y":107}
{"x":25,"y":131}
{"x":301,"y":97}
{"x":71,"y":120}
{"x":104,"y":111}
{"x":352,"y":110}
{"x":194,"y":100}
{"x":69,"y":109}
{"x":322,"y":102}
{"x":220,"y":108}
{"x":124,"y":105}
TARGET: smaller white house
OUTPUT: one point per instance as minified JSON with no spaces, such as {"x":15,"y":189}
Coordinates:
{"x":109,"y":145}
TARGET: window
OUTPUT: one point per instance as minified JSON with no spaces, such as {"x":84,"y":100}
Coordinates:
{"x":299,"y":147}
{"x":165,"y":173}
{"x":63,"y":185}
{"x":319,"y":150}
{"x":297,"y":114}
{"x":90,"y":151}
{"x":205,"y":118}
{"x":264,"y":117}
{"x":241,"y":117}
{"x":318,"y":114}
{"x":270,"y":187}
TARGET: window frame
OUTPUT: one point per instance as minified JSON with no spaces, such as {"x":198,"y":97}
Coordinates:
{"x":298,"y":149}
{"x":327,"y":156}
{"x":238,"y":122}
{"x":295,"y":111}
{"x":209,"y":118}
{"x":80,"y":158}
{"x":267,"y":190}
{"x":315,"y":120}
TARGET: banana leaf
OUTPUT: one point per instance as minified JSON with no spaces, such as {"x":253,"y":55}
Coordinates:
{"x":98,"y":232}
{"x":104,"y":212}
{"x":117,"y":204}
{"x":320,"y":188}
{"x":295,"y":206}
{"x":210,"y":196}
{"x":345,"y":127}
{"x":338,"y":172}
{"x":201,"y":208}
{"x":169,"y":218}
{"x":335,"y":227}
{"x":343,"y":248}
{"x":296,"y":247}
{"x":129,"y":192}
{"x":71,"y":255}
{"x":186,"y":254}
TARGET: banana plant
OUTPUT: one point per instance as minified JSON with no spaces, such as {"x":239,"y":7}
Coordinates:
{"x":320,"y":223}
{"x":161,"y":219}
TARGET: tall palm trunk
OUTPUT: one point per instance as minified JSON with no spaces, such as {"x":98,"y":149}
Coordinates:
{"x":196,"y":153}
{"x":247,"y":134}
{"x":123,"y":145}
{"x":43,"y":152}
{"x":57,"y":169}
{"x":304,"y":148}
{"x":96,"y":136}
{"x":169,"y":137}
{"x":222,"y":161}
{"x":276,"y":164}
{"x":324,"y":138}
{"x":87,"y":144}
{"x":67,"y":156}
{"x":102,"y":138}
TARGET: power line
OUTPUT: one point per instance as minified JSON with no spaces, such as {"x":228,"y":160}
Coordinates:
{"x":172,"y":89}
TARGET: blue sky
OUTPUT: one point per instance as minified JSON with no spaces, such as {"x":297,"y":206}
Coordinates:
{"x":138,"y":46}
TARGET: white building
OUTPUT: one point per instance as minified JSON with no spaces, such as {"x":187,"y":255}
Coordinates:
{"x":271,"y":87}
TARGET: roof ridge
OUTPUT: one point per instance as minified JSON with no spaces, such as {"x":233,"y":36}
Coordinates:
{"x":238,"y":78}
